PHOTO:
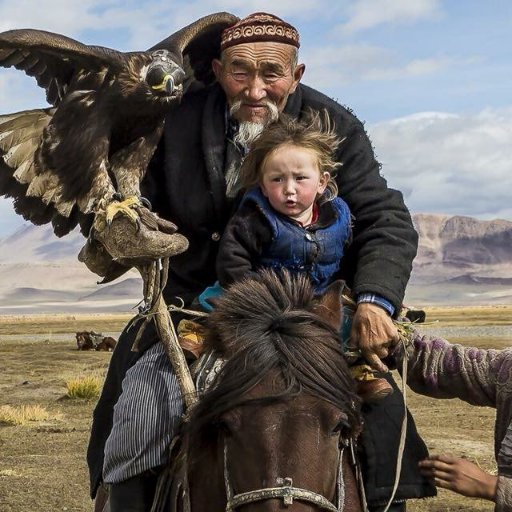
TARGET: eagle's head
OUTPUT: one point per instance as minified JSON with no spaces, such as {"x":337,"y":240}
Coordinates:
{"x":164,"y":77}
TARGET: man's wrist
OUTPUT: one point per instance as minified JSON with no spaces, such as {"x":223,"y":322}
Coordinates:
{"x":373,"y":298}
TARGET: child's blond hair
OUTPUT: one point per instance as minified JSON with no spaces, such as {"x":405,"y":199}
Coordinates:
{"x":315,"y":133}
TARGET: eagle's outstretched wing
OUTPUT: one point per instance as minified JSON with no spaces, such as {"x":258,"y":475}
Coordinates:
{"x":63,"y":163}
{"x":54,"y":60}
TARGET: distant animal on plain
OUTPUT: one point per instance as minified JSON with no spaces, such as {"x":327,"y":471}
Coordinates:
{"x":107,"y":343}
{"x":416,"y":316}
{"x":84,"y":340}
{"x":90,"y":340}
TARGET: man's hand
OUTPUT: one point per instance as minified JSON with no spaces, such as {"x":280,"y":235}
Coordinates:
{"x":374,"y":333}
{"x":460,"y":475}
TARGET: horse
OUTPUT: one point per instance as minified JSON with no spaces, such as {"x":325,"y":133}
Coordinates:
{"x":277,"y":425}
{"x":108,"y":344}
{"x":84,"y":340}
{"x":90,"y":340}
{"x":417,"y":316}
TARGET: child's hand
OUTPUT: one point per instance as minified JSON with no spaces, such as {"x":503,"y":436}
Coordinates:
{"x":459,"y":475}
{"x":374,"y":332}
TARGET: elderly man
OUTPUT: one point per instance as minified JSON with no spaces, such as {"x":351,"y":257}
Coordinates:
{"x":193,"y":180}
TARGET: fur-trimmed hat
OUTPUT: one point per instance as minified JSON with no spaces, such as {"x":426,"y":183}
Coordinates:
{"x":260,"y":26}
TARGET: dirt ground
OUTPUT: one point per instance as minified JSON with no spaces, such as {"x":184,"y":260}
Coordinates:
{"x":42,"y":464}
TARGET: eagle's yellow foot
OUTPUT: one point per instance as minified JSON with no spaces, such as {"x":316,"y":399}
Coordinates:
{"x":125,"y":207}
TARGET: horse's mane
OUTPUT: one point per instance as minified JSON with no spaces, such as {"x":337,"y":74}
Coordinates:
{"x":270,"y":322}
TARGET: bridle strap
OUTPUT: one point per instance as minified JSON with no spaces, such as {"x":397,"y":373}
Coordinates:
{"x":340,"y":483}
{"x":286,"y":491}
{"x":227,"y":483}
{"x":403,"y":430}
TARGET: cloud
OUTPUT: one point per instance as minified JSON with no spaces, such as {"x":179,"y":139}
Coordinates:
{"x":130,"y":24}
{"x":143,"y":22}
{"x":331,"y":66}
{"x":416,"y":67}
{"x":282,"y":8}
{"x":366,"y":14}
{"x":53,"y":15}
{"x":447,"y":163}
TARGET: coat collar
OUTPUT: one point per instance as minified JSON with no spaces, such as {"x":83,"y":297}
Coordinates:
{"x":213,"y":135}
{"x":294,"y":104}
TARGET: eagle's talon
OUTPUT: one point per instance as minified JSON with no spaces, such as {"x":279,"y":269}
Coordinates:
{"x":145,"y":202}
{"x":126,"y":207}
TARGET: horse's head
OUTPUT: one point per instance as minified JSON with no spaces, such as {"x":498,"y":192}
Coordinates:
{"x":284,"y":405}
{"x":83,"y":341}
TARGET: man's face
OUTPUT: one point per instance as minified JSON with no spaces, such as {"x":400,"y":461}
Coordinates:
{"x":253,"y":74}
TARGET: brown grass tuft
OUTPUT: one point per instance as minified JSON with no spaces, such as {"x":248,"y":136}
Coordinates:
{"x":87,"y":387}
{"x":24,"y":414}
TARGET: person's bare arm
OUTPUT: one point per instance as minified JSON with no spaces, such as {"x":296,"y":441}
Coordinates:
{"x":460,"y":475}
{"x":374,"y":333}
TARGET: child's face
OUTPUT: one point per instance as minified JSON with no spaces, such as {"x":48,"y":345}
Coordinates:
{"x":291,"y":180}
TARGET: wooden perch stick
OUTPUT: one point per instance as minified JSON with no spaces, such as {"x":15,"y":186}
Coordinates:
{"x":154,"y":276}
{"x":173,"y":349}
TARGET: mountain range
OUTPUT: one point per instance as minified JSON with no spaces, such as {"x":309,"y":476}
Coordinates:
{"x":460,"y":261}
{"x":40,"y":273}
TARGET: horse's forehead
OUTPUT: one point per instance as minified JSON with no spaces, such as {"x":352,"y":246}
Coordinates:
{"x":304,"y":409}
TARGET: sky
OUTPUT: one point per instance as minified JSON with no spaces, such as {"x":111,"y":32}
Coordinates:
{"x":431,"y":80}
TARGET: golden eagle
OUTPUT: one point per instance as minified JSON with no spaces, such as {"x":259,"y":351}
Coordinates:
{"x":64,"y":163}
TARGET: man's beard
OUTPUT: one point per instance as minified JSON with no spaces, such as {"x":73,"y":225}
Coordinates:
{"x":248,"y":131}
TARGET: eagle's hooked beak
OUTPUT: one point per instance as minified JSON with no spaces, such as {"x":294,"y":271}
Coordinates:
{"x":166,"y":85}
{"x":170,"y":81}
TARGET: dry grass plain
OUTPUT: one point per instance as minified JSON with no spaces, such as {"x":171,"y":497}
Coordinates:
{"x":42,"y":463}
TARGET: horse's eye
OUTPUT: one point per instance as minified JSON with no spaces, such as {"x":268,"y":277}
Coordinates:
{"x":228,"y":423}
{"x":223,"y":427}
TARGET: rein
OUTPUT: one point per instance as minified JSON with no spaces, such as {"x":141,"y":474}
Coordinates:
{"x":403,"y":430}
{"x":285,"y":491}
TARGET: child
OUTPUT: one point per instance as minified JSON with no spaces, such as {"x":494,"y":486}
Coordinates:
{"x":291,"y":216}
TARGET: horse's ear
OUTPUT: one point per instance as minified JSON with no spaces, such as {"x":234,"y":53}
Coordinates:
{"x":330,"y":305}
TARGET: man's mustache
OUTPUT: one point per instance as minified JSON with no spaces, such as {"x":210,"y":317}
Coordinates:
{"x":269,"y":105}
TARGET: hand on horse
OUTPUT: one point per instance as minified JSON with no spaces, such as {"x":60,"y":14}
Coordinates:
{"x":460,"y":475}
{"x":374,"y":334}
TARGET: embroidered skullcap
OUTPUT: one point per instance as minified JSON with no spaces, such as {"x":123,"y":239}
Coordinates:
{"x":259,"y":27}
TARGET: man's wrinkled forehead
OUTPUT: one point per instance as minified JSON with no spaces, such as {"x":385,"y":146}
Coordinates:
{"x":259,"y":55}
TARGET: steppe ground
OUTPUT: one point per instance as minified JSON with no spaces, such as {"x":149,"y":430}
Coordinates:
{"x":42,"y":464}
